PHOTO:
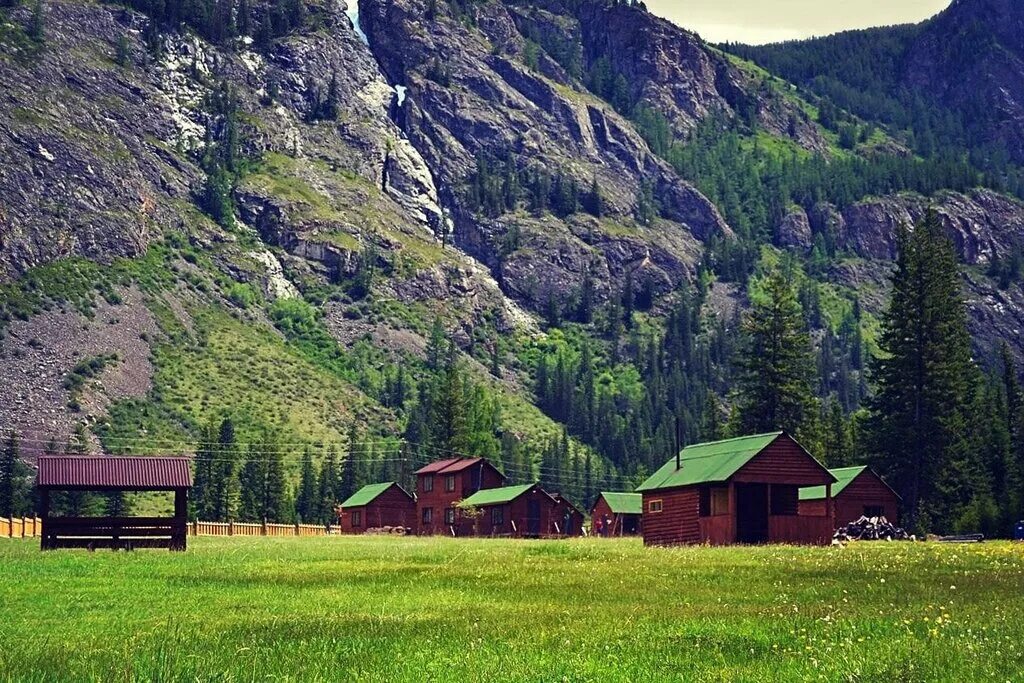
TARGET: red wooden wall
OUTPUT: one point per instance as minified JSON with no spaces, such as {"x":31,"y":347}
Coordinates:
{"x":515,"y":511}
{"x":783,"y":461}
{"x":467,"y":482}
{"x":391,"y":508}
{"x":621,"y":525}
{"x":866,"y":490}
{"x":677,"y":522}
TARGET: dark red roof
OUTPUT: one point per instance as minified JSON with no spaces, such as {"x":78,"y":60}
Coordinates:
{"x":453,"y":465}
{"x":56,"y":471}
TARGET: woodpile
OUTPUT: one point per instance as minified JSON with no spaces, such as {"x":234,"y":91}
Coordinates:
{"x":870,"y":529}
{"x":388,"y":531}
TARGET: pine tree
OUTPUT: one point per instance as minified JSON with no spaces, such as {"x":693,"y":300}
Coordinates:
{"x":277,"y":507}
{"x":327,"y":486}
{"x":924,"y":377}
{"x":223,"y":487}
{"x":306,"y":505}
{"x":252,"y":484}
{"x":775,"y":363}
{"x":37,"y":24}
{"x":347,"y":478}
{"x":11,"y":475}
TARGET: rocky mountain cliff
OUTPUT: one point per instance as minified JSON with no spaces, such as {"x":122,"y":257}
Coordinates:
{"x":481,"y":162}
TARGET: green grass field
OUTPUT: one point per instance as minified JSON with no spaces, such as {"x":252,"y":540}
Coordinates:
{"x":386,"y":609}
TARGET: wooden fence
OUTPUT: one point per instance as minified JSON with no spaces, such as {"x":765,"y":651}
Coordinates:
{"x":248,"y":529}
{"x":20,"y":527}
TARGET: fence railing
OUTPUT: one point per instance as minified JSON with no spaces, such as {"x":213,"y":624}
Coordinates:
{"x":20,"y":527}
{"x":32,"y":527}
{"x":200,"y":528}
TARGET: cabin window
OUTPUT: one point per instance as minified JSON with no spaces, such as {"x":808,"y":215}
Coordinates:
{"x":449,"y":482}
{"x":655,"y":506}
{"x":428,"y":515}
{"x":785,"y":499}
{"x":714,"y":500}
{"x":428,"y":484}
{"x":497,"y":516}
{"x":357,"y":518}
{"x":874,"y":510}
{"x":449,"y":515}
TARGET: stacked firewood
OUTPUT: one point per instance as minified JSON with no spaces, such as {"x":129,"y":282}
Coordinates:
{"x":387,"y":531}
{"x":870,"y":529}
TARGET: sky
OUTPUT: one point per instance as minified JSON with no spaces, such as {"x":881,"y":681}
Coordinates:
{"x":769,"y":21}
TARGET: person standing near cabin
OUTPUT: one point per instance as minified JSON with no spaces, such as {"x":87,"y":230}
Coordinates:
{"x":607,"y":526}
{"x":598,"y":528}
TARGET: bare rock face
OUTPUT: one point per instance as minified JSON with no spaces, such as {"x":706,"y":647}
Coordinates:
{"x":982,"y":224}
{"x":471,"y":96}
{"x":794,"y":230}
{"x":85,"y":168}
{"x":674,"y":72}
{"x":972,"y":57}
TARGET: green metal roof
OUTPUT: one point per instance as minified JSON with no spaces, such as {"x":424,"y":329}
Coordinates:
{"x":367,"y":494}
{"x":844,"y":475}
{"x":505,"y":494}
{"x":624,"y":503}
{"x":704,"y":463}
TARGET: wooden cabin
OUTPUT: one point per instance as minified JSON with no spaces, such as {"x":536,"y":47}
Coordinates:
{"x":518,"y":511}
{"x":442,"y":484}
{"x":858,"y":492}
{"x":743,"y":490}
{"x":378,"y":505}
{"x":114,"y":474}
{"x":617,"y":514}
{"x":566,"y":518}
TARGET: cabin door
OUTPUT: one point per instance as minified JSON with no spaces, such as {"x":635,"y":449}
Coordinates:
{"x":752,"y":513}
{"x":533,"y":517}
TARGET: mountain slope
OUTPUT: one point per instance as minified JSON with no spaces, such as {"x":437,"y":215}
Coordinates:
{"x":264,"y":216}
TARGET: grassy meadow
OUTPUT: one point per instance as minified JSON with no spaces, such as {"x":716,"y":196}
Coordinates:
{"x":387,"y":609}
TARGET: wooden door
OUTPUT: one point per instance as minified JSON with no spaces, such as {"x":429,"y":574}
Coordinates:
{"x":752,"y":513}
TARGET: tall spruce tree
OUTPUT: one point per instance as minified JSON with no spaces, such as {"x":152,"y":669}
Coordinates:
{"x":924,"y":379}
{"x":347,"y":479}
{"x":775,"y":362}
{"x":306,"y":506}
{"x":223,"y":482}
{"x":11,"y":478}
{"x":327,"y":486}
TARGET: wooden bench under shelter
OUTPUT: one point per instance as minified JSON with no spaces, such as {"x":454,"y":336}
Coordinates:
{"x":106,"y":474}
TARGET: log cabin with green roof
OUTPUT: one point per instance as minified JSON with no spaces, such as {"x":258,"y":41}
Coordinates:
{"x":524,"y":511}
{"x":617,"y":513}
{"x":858,"y":492}
{"x":743,"y":490}
{"x":376,"y":506}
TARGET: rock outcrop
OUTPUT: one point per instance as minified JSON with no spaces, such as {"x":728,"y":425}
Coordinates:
{"x":982,"y":224}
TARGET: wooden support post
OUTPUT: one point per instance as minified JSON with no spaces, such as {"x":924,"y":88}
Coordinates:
{"x":732,"y":512}
{"x":179,"y":528}
{"x":44,"y":512}
{"x":830,"y":509}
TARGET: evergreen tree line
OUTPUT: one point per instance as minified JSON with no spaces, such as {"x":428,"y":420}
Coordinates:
{"x":861,"y":72}
{"x":220,"y":21}
{"x":499,"y":186}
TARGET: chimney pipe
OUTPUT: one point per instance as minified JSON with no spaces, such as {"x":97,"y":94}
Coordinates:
{"x":678,"y":440}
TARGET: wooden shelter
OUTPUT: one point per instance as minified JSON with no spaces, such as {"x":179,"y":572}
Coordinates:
{"x":743,"y":490}
{"x":523,"y":511}
{"x":376,"y":506}
{"x":617,"y":514}
{"x":858,"y":492}
{"x":107,"y":474}
{"x":566,"y":518}
{"x":442,"y":484}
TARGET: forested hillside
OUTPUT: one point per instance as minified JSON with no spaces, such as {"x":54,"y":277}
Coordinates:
{"x":319,"y":245}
